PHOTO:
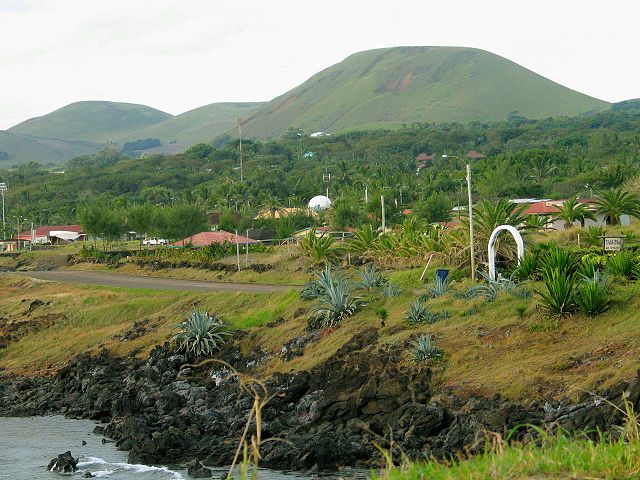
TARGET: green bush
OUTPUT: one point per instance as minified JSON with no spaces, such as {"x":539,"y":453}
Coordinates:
{"x":560,"y":288}
{"x":201,"y":334}
{"x":437,"y":289}
{"x":592,"y":295}
{"x":623,"y":265}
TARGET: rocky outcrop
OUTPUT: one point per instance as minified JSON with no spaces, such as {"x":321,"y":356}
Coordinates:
{"x":63,"y":463}
{"x":324,"y":418}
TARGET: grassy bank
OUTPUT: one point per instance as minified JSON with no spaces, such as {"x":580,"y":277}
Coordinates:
{"x":508,"y":346}
{"x":557,"y":457}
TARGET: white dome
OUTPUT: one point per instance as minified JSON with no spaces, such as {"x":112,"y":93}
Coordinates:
{"x":319,"y":202}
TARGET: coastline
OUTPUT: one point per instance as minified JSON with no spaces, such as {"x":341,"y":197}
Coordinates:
{"x":325,"y":419}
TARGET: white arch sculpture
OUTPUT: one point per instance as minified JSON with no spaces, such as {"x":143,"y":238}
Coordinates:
{"x":492,"y":247}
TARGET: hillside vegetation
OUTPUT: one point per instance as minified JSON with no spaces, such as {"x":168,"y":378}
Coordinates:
{"x":202,"y":124}
{"x":94,"y":121}
{"x":391,"y":86}
{"x":18,"y":148}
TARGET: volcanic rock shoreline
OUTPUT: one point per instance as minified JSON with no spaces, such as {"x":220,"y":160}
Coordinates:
{"x":323,"y":419}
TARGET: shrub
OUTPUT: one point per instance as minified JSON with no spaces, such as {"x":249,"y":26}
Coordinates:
{"x":424,"y":347}
{"x":559,"y":296}
{"x":593,"y":294}
{"x":201,"y":334}
{"x":529,"y":268}
{"x":622,"y":264}
{"x":590,"y":264}
{"x":559,"y":259}
{"x":319,"y":249}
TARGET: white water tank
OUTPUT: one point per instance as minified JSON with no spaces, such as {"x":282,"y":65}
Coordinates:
{"x":319,"y":202}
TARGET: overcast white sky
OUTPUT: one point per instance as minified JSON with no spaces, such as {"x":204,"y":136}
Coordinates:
{"x":176,"y":55}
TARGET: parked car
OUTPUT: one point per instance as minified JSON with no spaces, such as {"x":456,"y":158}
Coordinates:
{"x":155,"y":241}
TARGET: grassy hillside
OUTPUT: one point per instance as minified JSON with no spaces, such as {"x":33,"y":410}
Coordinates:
{"x":94,"y":121}
{"x":26,"y":148}
{"x":388,"y":86}
{"x":199,"y":125}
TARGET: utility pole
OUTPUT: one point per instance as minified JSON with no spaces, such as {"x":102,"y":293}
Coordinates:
{"x":473,"y":256}
{"x":246,"y":258}
{"x":237,"y":250}
{"x":471,"y":243}
{"x":3,"y":189}
{"x":239,"y":123}
{"x":366,"y":194}
{"x":384,"y":223}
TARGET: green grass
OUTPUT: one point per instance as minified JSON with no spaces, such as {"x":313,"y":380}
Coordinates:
{"x":202,"y":124}
{"x":392,"y":86}
{"x":94,"y":121}
{"x":25,"y":148}
{"x":558,"y":457}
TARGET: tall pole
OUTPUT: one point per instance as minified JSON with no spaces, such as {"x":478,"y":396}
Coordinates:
{"x":383,"y":216}
{"x":239,"y":121}
{"x":366,"y":194}
{"x":246,"y":258}
{"x":31,"y":243}
{"x":473,"y":257}
{"x":3,"y":189}
{"x":237,"y":250}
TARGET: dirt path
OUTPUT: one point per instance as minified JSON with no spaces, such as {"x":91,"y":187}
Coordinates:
{"x":154,"y":283}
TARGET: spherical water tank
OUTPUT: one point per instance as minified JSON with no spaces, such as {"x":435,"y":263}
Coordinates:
{"x":319,"y":202}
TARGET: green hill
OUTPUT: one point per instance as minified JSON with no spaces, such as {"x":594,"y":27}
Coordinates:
{"x":390,"y":86}
{"x":199,"y":125}
{"x":17,"y":148}
{"x":93,"y":121}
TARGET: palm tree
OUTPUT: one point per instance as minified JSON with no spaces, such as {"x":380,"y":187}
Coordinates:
{"x":616,"y":202}
{"x":572,"y":211}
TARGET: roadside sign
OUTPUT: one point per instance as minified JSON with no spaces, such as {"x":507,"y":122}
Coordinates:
{"x":613,"y":244}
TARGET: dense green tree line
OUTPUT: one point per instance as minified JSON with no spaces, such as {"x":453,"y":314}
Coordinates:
{"x":524,"y":158}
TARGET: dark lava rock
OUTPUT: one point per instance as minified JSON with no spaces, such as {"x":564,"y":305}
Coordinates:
{"x":328,"y":417}
{"x":196,"y":469}
{"x":63,"y":463}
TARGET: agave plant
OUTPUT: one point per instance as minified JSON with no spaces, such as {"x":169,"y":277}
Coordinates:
{"x":417,"y":312}
{"x":424,"y":347}
{"x":201,"y":334}
{"x":440,"y":287}
{"x":337,"y":300}
{"x":390,"y":290}
{"x":592,"y":295}
{"x":490,"y":289}
{"x":371,"y":278}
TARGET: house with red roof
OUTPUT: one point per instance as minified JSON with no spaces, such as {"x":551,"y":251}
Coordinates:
{"x":54,"y":234}
{"x":473,"y":155}
{"x":548,"y":209}
{"x":423,"y":160}
{"x":204,"y":239}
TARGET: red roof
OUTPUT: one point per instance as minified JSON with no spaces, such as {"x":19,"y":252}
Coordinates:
{"x":423,"y":157}
{"x":44,"y":231}
{"x":204,"y":239}
{"x":475,"y":155}
{"x":540,"y":208}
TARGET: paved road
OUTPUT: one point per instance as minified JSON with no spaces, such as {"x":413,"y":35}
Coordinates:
{"x":154,"y":283}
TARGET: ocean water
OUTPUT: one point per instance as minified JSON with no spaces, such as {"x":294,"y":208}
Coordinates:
{"x":28,"y":444}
